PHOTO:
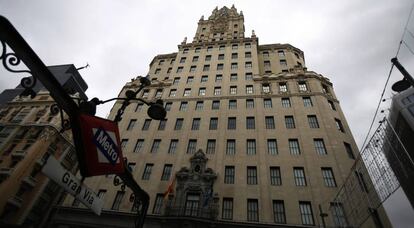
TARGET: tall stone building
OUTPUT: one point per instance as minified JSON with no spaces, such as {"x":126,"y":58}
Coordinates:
{"x":29,"y":133}
{"x":252,"y":138}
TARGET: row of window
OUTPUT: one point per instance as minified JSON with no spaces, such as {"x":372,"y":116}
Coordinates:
{"x":193,"y":204}
{"x":231,"y":122}
{"x":272,"y":146}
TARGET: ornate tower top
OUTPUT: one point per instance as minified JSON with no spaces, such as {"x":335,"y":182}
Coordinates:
{"x":223,"y":24}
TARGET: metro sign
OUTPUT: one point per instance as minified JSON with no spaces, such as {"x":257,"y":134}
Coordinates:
{"x":103,"y":153}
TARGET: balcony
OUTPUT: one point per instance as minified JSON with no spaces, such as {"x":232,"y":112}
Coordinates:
{"x":18,"y":155}
{"x":208,"y":212}
{"x":15,"y":202}
{"x":29,"y":182}
{"x":5,"y":173}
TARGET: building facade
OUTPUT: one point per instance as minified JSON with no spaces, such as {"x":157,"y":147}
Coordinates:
{"x":251,"y":138}
{"x":29,"y":133}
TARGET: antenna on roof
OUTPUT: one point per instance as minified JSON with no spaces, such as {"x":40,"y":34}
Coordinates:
{"x":86,"y":66}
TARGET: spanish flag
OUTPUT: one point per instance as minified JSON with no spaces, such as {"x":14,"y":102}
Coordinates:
{"x":170,"y":188}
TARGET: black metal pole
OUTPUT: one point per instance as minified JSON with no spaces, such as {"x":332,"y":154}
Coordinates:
{"x":323,"y":215}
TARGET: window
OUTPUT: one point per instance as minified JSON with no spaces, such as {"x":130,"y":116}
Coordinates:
{"x":195,"y":59}
{"x":338,"y":214}
{"x":208,"y":58}
{"x":319,"y":146}
{"x":147,"y":171}
{"x":190,"y":79}
{"x":331,"y":105}
{"x":118,"y":200}
{"x":325,"y":89}
{"x":283,"y":87}
{"x":158,"y":93}
{"x":178,"y":124}
{"x":166,"y":172}
{"x":185,"y":51}
{"x":197,"y":50}
{"x":339,"y":125}
{"x":251,"y":147}
{"x":192,"y":205}
{"x":234,"y":46}
{"x":202,"y":92}
{"x":349,"y":151}
{"x":173,"y":92}
{"x":251,"y":175}
{"x":211,"y":146}
{"x":266,"y":88}
{"x":219,"y":78}
{"x":139,"y":107}
{"x":162,"y":124}
{"x":131,"y":124}
{"x":265,"y":54}
{"x":286,"y":102}
{"x":146,"y":125}
{"x":158,"y":204}
{"x":220,"y":66}
{"x":249,"y":103}
{"x":196,"y":124}
{"x":180,"y":69}
{"x":231,"y":147}
{"x":361,"y":181}
{"x":221,"y":57}
{"x":206,"y":67}
{"x":182,"y":60}
{"x":215,"y":105}
{"x":281,"y":53}
{"x":313,"y":121}
{"x":155,"y":145}
{"x":217,"y":91}
{"x":249,"y":89}
{"x":233,"y":90}
{"x":279,"y":211}
{"x":267,"y":103}
{"x":221,"y":48}
{"x":187,"y":92}
{"x":183,"y":106}
{"x":283,"y":63}
{"x":233,"y":55}
{"x":234,"y":66}
{"x":204,"y":78}
{"x":247,"y":55}
{"x":250,"y":123}
{"x":161,"y":62}
{"x":145,"y":93}
{"x":199,"y":105}
{"x":299,"y":174}
{"x":169,"y":70}
{"x":176,"y":81}
{"x":248,"y":65}
{"x":157,"y":71}
{"x":227,"y":208}
{"x":172,"y":61}
{"x":229,"y":175}
{"x":247,"y":45}
{"x":267,"y":64}
{"x":233,"y":77}
{"x":307,"y":102}
{"x":270,"y":122}
{"x":272,"y":146}
{"x":248,"y":76}
{"x":252,"y":210}
{"x":173,"y":146}
{"x":231,"y":123}
{"x":232,"y":104}
{"x":328,"y":177}
{"x":302,"y":87}
{"x":138,"y":145}
{"x":306,"y":213}
{"x":294,"y":147}
{"x":209,"y":49}
{"x":289,"y":122}
{"x":168,"y":106}
{"x":213,"y":123}
{"x":275,"y":177}
{"x":192,"y":144}
{"x":101,"y":193}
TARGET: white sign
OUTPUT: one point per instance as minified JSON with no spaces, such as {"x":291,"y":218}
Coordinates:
{"x":71,"y":184}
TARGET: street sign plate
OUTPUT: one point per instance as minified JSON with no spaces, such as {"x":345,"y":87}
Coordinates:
{"x":102,"y":145}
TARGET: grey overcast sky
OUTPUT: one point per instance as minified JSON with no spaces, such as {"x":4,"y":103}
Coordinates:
{"x":351,"y":42}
